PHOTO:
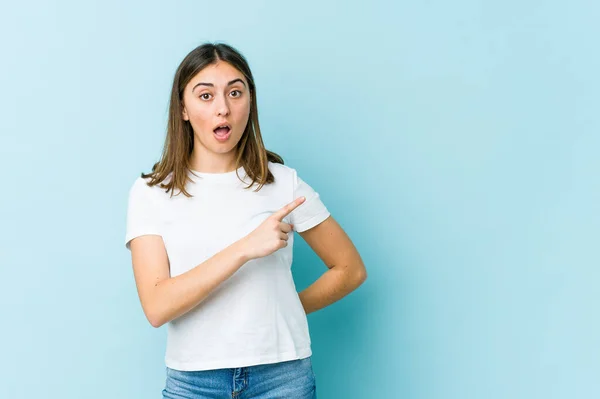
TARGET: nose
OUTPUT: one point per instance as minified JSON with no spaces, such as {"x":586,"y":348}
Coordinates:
{"x":222,"y":106}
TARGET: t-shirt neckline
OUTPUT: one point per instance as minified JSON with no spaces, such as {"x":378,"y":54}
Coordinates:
{"x":218,"y":177}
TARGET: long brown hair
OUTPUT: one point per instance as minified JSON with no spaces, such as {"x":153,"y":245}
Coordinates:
{"x":179,"y":142}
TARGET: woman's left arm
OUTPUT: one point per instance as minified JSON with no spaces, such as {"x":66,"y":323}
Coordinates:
{"x":346,"y":269}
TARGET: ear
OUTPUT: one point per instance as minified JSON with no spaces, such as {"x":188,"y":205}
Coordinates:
{"x":185,"y":115}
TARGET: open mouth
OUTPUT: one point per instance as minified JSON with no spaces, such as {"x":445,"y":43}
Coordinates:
{"x":222,"y":132}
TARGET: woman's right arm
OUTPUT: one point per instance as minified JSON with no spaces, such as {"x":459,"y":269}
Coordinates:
{"x":165,"y":298}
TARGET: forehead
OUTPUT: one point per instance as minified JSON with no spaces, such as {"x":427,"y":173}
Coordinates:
{"x":218,"y":74}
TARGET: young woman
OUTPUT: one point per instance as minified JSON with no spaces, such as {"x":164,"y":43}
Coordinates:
{"x":211,"y":232}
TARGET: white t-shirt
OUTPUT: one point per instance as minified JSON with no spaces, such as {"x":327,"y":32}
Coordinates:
{"x":255,"y":316}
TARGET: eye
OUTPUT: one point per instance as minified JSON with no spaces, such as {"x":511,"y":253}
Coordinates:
{"x":240,"y":93}
{"x":204,"y":94}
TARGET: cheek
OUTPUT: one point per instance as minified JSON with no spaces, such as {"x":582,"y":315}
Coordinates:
{"x":199,"y":118}
{"x":243,"y":112}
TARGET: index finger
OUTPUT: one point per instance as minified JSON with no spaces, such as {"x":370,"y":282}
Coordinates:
{"x":289,"y":208}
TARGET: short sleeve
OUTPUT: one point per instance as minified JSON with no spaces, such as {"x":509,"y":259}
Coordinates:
{"x":312,"y":211}
{"x":142,"y":215}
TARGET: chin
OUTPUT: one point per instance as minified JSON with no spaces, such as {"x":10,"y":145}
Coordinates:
{"x":223,"y":150}
{"x":224,"y":147}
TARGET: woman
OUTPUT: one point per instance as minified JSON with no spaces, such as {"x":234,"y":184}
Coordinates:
{"x":210,"y":231}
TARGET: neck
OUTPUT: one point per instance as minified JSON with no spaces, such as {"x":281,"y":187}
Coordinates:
{"x":209,"y":162}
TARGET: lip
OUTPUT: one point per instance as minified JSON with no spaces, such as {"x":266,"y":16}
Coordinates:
{"x":223,"y":124}
{"x":222,"y":139}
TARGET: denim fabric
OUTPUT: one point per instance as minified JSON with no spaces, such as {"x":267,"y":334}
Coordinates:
{"x":294,"y":379}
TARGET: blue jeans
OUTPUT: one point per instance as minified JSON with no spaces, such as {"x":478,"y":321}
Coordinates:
{"x":293,"y":379}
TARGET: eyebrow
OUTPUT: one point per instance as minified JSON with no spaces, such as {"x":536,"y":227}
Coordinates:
{"x":212,"y":85}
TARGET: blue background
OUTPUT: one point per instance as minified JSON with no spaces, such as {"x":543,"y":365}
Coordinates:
{"x":456,"y":142}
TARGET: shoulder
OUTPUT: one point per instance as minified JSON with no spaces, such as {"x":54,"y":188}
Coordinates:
{"x":283,"y":171}
{"x":140,"y":185}
{"x":279,"y":167}
{"x":140,"y":189}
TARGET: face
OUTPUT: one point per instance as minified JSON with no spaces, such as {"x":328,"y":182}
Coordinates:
{"x":217,"y":95}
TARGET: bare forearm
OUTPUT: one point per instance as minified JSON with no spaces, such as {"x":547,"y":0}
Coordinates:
{"x":332,"y":286}
{"x":178,"y":295}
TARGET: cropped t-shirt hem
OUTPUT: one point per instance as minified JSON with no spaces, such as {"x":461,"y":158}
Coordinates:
{"x":238,"y":362}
